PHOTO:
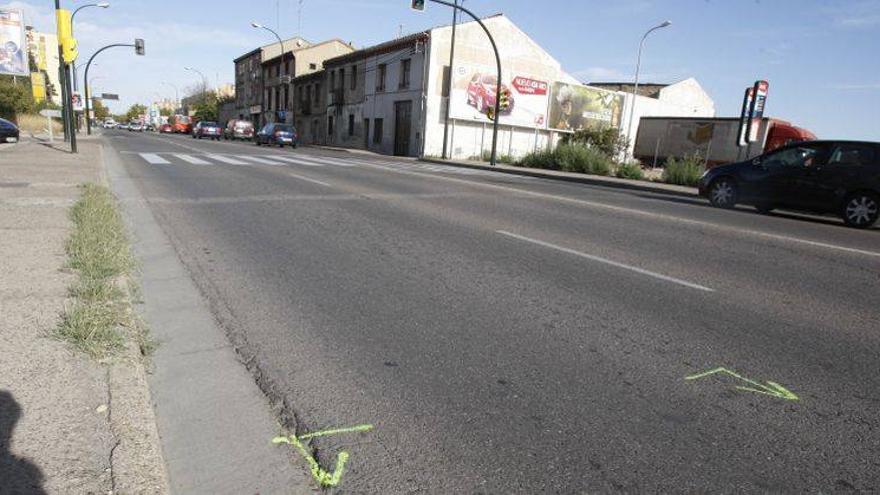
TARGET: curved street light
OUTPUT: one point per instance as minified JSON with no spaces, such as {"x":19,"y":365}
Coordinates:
{"x":102,"y":5}
{"x":204,"y":79}
{"x":632,"y":106}
{"x":257,"y":25}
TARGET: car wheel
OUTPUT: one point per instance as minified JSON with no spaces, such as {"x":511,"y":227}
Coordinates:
{"x":722,"y":193}
{"x":861,"y":210}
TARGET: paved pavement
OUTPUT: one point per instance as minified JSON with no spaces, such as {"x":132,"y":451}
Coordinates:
{"x":517,"y":335}
{"x":67,"y":423}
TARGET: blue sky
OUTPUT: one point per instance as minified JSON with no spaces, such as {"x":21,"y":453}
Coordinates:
{"x":820,"y":56}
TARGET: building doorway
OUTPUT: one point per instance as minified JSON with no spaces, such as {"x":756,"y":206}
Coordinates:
{"x":402,"y":126}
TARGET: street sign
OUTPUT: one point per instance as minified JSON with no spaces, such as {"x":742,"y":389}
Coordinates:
{"x":49,"y":113}
{"x":109,"y":96}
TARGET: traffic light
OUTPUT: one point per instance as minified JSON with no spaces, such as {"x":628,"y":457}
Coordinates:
{"x":68,"y":44}
{"x":418,"y":4}
{"x":504,"y":102}
{"x":139,"y":46}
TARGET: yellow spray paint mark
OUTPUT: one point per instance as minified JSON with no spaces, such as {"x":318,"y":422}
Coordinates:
{"x":324,"y":478}
{"x":771,"y":388}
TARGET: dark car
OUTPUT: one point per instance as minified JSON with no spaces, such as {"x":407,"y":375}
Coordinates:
{"x":238,"y":129}
{"x":840,"y":177}
{"x":210,"y":130}
{"x":8,"y":132}
{"x":278,"y":134}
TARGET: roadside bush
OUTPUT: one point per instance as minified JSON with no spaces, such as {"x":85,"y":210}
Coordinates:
{"x":685,"y":171}
{"x":630,"y":170}
{"x":538,"y":159}
{"x":583,"y":159}
{"x":608,"y":140}
{"x":500,"y":158}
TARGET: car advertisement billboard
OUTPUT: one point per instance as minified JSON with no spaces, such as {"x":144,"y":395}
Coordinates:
{"x":13,"y":47}
{"x":574,"y":107}
{"x":524,"y":97}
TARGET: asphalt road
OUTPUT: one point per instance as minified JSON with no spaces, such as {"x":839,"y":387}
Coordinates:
{"x":516,"y":335}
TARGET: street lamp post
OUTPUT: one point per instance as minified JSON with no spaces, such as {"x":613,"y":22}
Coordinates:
{"x":102,"y":5}
{"x":204,"y":80}
{"x":138,"y":43}
{"x":176,"y":95}
{"x":632,"y":106}
{"x":257,"y":25}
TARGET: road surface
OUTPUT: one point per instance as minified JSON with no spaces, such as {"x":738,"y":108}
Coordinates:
{"x":516,"y":335}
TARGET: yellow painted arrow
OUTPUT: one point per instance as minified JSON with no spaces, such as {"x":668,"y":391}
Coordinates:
{"x":771,"y":388}
{"x":324,"y":478}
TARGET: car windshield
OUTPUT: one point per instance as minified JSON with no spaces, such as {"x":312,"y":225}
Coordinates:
{"x":284,"y":128}
{"x":210,"y":124}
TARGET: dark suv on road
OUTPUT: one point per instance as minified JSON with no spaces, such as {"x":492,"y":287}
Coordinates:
{"x":841,"y":177}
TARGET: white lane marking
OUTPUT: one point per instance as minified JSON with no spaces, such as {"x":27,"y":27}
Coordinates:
{"x":309,"y":179}
{"x":154,"y":159}
{"x":648,"y":214}
{"x":326,"y":160}
{"x":260,"y":160}
{"x":297,"y":161}
{"x":226,"y":159}
{"x":607,"y":261}
{"x":191,"y":159}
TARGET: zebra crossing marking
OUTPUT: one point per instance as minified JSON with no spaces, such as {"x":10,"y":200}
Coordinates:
{"x":225,"y":159}
{"x":191,"y":159}
{"x":154,"y":159}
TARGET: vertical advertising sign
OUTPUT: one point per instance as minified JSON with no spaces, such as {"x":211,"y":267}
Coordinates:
{"x":13,"y":47}
{"x":742,"y":136}
{"x":759,"y":101}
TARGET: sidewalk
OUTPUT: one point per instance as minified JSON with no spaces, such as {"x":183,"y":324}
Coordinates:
{"x":67,"y":423}
{"x":595,"y":180}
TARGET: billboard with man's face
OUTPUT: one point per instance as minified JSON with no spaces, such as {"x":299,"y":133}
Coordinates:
{"x":574,"y":107}
{"x":473,"y":96}
{"x":13,"y":47}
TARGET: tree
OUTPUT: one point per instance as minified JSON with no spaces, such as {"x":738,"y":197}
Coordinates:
{"x":15,"y":98}
{"x":101,"y":111}
{"x":166,"y":112}
{"x":135,"y":111}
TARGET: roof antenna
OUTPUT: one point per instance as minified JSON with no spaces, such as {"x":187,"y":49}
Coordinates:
{"x":299,"y":19}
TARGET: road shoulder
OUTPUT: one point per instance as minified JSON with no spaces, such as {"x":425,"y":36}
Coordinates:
{"x":215,"y":424}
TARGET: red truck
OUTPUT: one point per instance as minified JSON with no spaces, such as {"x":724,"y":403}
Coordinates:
{"x":715,"y":139}
{"x":182,"y":124}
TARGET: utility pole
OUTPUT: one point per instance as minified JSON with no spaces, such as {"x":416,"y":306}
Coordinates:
{"x":419,"y":5}
{"x":449,"y":79}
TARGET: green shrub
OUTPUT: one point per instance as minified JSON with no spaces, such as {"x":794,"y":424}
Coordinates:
{"x":630,"y":170}
{"x":538,"y":159}
{"x":582,"y":159}
{"x":685,"y":171}
{"x":499,"y":157}
{"x":608,"y":140}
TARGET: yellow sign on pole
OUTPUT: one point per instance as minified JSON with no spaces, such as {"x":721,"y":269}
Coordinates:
{"x":65,"y":36}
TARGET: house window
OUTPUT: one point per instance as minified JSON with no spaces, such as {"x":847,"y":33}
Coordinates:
{"x":287,"y":67}
{"x":330,"y":126}
{"x":317,"y":93}
{"x":313,"y":66}
{"x":351,"y":124}
{"x":380,"y":77}
{"x":278,"y":69}
{"x":354,"y":77}
{"x":377,"y":131}
{"x":404,"y":73}
{"x":341,"y":78}
{"x":286,"y":96}
{"x":332,"y":79}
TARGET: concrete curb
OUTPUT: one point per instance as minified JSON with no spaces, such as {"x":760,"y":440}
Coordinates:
{"x":592,"y":180}
{"x":214,"y":422}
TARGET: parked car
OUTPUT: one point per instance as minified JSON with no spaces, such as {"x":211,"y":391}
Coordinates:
{"x":481,"y":93}
{"x":135,"y":126}
{"x":277,"y":134}
{"x":841,"y":177}
{"x":109,"y":124}
{"x":238,"y":129}
{"x":204,"y":129}
{"x":8,"y":132}
{"x":166,"y":129}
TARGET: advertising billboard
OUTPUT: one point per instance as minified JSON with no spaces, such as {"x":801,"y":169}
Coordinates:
{"x":13,"y":47}
{"x":473,"y":94}
{"x":574,"y":107}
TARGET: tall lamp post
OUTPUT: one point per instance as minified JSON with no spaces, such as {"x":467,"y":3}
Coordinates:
{"x":102,"y":5}
{"x":204,"y":79}
{"x":632,"y":106}
{"x":176,"y":95}
{"x":257,"y":25}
